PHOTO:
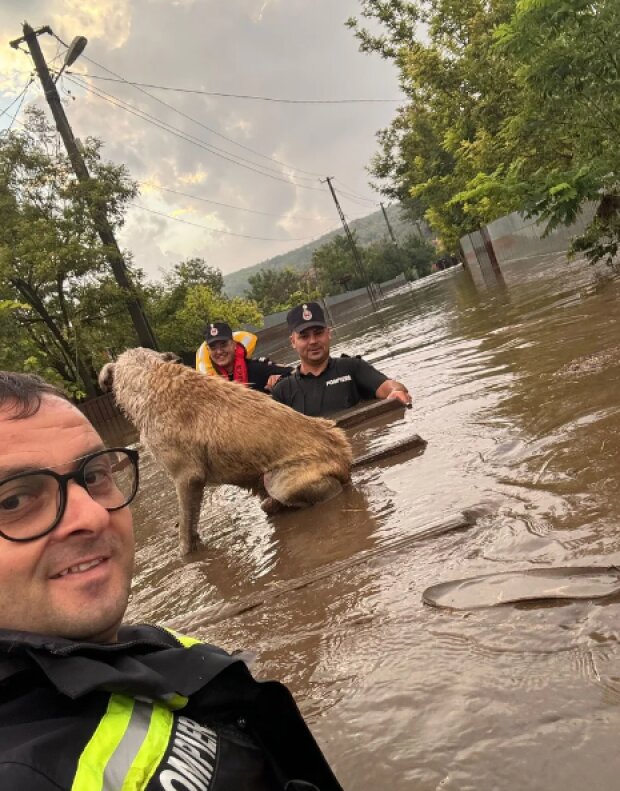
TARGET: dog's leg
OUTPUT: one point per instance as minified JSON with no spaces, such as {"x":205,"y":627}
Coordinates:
{"x":189,"y":493}
{"x":298,"y":489}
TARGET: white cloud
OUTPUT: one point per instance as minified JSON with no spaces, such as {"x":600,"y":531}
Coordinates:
{"x":108,"y":20}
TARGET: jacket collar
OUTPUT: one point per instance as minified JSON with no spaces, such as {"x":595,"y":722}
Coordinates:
{"x":145,"y":661}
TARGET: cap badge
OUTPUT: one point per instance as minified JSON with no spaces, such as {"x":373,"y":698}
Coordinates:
{"x":213,"y":330}
{"x":306,"y":315}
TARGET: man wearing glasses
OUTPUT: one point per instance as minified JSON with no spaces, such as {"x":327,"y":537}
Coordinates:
{"x":86,"y":703}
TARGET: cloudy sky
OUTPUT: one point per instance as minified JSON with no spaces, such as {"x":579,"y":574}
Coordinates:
{"x":293,"y":49}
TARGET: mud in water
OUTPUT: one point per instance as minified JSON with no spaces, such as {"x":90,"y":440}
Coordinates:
{"x":517,"y":391}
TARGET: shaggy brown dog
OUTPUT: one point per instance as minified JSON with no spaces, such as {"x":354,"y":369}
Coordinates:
{"x":204,"y":429}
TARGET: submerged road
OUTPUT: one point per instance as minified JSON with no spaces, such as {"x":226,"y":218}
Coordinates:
{"x":516,"y":391}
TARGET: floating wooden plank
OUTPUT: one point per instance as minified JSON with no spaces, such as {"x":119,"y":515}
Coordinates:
{"x":366,"y":411}
{"x":211,"y":615}
{"x":568,"y":583}
{"x":403,"y":445}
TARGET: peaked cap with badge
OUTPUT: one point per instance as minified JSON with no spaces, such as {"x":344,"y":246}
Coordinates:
{"x":301,"y":317}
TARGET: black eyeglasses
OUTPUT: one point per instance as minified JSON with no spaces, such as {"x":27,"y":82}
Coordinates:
{"x":33,"y":503}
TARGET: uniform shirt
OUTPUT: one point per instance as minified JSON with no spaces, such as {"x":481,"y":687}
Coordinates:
{"x":259,"y":372}
{"x":344,"y":383}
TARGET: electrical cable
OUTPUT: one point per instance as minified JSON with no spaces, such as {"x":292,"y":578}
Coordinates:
{"x":226,"y":205}
{"x":344,"y":196}
{"x":194,"y":120}
{"x":227,"y":233}
{"x":189,"y":137}
{"x":351,"y":193}
{"x":20,"y":96}
{"x":237,"y":95}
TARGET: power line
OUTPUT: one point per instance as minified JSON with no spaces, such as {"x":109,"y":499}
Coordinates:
{"x":21,"y":95}
{"x":100,"y":93}
{"x":219,"y":203}
{"x":189,"y":138}
{"x":357,"y":202}
{"x":218,"y":230}
{"x":19,"y":107}
{"x":196,"y":121}
{"x":237,"y":95}
{"x":351,"y":193}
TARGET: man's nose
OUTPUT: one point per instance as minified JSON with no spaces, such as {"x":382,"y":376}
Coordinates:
{"x":82,"y":513}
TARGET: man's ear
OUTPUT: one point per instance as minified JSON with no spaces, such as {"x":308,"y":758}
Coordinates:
{"x":106,"y":377}
{"x":292,"y":339}
{"x":171,"y":357}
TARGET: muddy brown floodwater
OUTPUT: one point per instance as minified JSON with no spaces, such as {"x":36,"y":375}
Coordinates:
{"x":517,"y":391}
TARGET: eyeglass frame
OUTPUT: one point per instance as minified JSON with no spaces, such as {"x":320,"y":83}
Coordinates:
{"x":77,"y":476}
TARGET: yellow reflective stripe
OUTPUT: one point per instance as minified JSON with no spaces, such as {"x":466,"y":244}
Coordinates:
{"x":102,"y":744}
{"x":175,"y":702}
{"x":186,"y":642}
{"x":152,"y":751}
{"x":101,"y":751}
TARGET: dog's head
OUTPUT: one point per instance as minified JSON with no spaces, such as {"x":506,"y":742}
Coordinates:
{"x":106,"y":376}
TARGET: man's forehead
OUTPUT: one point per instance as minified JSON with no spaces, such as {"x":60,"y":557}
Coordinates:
{"x":56,"y":434}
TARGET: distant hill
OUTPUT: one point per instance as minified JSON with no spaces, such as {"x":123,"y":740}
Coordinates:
{"x":368,"y":229}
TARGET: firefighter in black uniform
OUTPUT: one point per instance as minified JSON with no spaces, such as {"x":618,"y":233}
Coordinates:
{"x":322,"y":385}
{"x":89,"y":704}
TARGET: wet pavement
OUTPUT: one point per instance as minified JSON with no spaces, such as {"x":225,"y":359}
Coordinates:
{"x":517,"y":391}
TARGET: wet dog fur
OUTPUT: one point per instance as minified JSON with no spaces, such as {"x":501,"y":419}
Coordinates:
{"x":207,"y":430}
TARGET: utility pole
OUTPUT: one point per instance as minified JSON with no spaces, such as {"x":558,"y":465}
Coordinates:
{"x":144,"y":331}
{"x":387,"y":222}
{"x":356,"y":253}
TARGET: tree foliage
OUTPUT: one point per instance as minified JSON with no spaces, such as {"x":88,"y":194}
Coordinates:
{"x":273,"y":289}
{"x":336,"y":270}
{"x":458,"y":88}
{"x":511,"y":105}
{"x":62,"y":313}
{"x":52,"y":261}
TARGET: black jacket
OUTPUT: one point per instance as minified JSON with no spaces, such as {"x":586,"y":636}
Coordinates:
{"x":79,"y":716}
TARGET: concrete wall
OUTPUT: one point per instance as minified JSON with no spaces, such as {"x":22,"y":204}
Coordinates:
{"x":513,"y":238}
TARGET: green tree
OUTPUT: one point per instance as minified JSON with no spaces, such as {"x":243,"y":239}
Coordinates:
{"x":412,"y":257}
{"x":169,"y":297}
{"x":511,"y":106}
{"x":459,"y":89}
{"x":335,"y":267}
{"x":51,"y":257}
{"x":271,"y":288}
{"x":202,"y":305}
{"x":565,"y":137}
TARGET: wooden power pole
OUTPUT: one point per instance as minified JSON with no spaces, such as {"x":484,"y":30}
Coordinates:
{"x":144,"y":331}
{"x":356,"y":253}
{"x":388,"y":223}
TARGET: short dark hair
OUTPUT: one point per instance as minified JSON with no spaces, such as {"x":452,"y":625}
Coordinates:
{"x":23,"y":392}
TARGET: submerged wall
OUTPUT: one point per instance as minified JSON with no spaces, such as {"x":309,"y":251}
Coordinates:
{"x":514,"y":238}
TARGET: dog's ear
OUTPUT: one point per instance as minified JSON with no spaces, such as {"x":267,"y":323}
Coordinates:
{"x":171,"y":357}
{"x":106,"y":377}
